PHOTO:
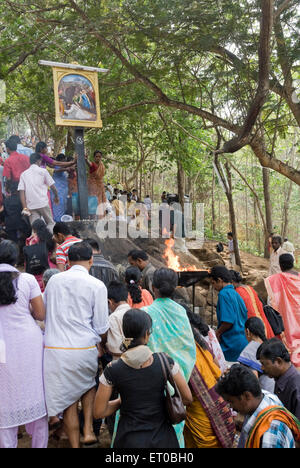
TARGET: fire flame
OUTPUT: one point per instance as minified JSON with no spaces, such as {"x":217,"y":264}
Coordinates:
{"x":173,"y":260}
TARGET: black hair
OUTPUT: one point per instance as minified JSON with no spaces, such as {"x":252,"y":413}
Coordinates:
{"x":136,"y":323}
{"x":61,"y":157}
{"x":229,"y":234}
{"x":132,"y":278}
{"x":15,"y":138}
{"x":238,"y":380}
{"x":286,"y":261}
{"x":8,"y":255}
{"x":273,"y":349}
{"x":278,"y":238}
{"x":196,"y":321}
{"x":39,"y":226}
{"x":98,"y":151}
{"x":220,"y":272}
{"x":11,"y":144}
{"x":93,"y":243}
{"x":80,"y":252}
{"x":256,"y":326}
{"x":138,"y":254}
{"x":236,"y":276}
{"x":166,"y":281}
{"x":34,"y":158}
{"x":199,"y":328}
{"x":61,"y":228}
{"x":40,"y":146}
{"x":117,"y":291}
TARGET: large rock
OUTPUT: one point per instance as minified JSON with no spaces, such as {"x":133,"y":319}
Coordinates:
{"x":208,"y":256}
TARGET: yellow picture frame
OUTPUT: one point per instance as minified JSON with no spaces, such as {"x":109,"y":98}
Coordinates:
{"x":76,"y":95}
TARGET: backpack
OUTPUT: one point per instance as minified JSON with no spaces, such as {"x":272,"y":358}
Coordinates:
{"x":275,"y":320}
{"x":36,"y":258}
{"x":220,"y":247}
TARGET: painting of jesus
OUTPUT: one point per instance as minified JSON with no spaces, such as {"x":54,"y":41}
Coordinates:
{"x":77,"y":98}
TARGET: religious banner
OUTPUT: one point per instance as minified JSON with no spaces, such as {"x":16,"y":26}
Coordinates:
{"x":76,"y":95}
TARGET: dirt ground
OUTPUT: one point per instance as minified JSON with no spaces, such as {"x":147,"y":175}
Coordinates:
{"x":25,"y":440}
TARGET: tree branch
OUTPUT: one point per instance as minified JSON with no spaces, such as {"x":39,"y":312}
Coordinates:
{"x":264,"y":52}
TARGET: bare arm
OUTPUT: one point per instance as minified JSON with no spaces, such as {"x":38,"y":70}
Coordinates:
{"x":60,"y":267}
{"x":103,"y":407}
{"x":224,"y":327}
{"x":38,"y":308}
{"x":54,"y":190}
{"x":183,"y":388}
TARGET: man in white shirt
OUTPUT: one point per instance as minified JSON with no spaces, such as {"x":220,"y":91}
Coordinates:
{"x":33,"y":187}
{"x":274,"y":257}
{"x":148,"y":202}
{"x":76,"y":323}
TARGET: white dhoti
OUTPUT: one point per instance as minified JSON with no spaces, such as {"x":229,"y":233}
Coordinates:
{"x":68,"y":375}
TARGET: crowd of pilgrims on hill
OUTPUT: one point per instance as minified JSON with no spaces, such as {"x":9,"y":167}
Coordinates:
{"x":81,"y":343}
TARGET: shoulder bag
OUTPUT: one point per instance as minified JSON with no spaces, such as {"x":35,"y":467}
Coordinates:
{"x":174,"y":404}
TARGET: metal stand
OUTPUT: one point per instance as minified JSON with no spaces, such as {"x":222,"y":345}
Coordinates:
{"x":81,"y":174}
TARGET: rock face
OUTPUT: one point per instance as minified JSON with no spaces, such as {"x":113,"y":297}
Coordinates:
{"x":255,"y":269}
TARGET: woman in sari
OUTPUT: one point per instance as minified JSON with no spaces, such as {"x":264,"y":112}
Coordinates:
{"x":209,"y":422}
{"x":172,"y":331}
{"x":95,"y":180}
{"x":284,"y":296}
{"x":253,"y":304}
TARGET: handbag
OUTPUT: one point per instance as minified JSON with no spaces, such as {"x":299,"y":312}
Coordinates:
{"x":275,"y":320}
{"x":173,"y":403}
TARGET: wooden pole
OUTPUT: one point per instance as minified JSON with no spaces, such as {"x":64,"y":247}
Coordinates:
{"x":81,"y":174}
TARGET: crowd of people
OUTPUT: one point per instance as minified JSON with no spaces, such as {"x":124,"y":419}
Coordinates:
{"x":82,"y":346}
{"x":94,"y":341}
{"x":35,"y":185}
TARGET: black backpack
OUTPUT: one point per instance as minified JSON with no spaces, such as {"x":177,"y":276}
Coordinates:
{"x":275,"y":320}
{"x":36,"y":258}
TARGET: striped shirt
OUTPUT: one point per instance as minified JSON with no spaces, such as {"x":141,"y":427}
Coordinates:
{"x":63,"y":250}
{"x":277,"y":436}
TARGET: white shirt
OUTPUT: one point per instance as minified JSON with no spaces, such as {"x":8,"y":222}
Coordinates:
{"x":148,"y":203}
{"x":35,"y":181}
{"x":24,"y":150}
{"x":76,"y":309}
{"x":115,"y":334}
{"x":274,"y":261}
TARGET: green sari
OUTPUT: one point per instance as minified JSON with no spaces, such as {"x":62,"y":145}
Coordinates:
{"x":172,"y":334}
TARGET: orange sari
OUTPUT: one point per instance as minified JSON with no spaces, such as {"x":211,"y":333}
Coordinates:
{"x":254,"y":307}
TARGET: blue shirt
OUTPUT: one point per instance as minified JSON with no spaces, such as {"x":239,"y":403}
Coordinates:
{"x":231,"y":309}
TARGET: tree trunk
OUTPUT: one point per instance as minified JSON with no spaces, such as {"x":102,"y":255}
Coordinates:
{"x":268,"y":209}
{"x":233,"y":218}
{"x":213,"y":210}
{"x":285,"y":214}
{"x":180,"y":182}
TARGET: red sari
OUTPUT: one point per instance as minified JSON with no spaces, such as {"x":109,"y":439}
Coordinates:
{"x":254,"y":307}
{"x":284,"y":294}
